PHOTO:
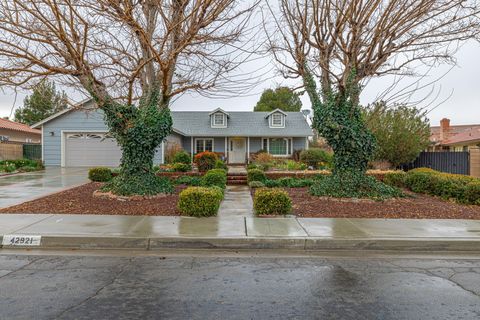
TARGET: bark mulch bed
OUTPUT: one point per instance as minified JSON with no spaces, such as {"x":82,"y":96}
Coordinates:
{"x":80,"y":200}
{"x":415,"y":207}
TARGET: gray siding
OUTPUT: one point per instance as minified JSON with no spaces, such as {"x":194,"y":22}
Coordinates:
{"x":298,"y":143}
{"x":255,"y":144}
{"x":73,"y":120}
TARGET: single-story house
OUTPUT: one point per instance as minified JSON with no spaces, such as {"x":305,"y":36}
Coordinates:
{"x":448,"y":137}
{"x":11,"y":131}
{"x":78,"y":136}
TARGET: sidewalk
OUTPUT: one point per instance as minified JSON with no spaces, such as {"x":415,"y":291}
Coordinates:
{"x":241,"y":232}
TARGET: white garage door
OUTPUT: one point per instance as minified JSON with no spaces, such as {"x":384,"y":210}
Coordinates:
{"x":91,"y":149}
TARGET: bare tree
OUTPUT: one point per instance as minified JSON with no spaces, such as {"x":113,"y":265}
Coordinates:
{"x":341,"y":44}
{"x":131,"y":56}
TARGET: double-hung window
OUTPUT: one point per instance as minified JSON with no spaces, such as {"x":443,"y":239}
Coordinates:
{"x":219,"y":119}
{"x":277,"y":120}
{"x":202,"y":145}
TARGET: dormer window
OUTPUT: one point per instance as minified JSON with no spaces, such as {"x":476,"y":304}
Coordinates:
{"x":276,"y":119}
{"x":218,"y":118}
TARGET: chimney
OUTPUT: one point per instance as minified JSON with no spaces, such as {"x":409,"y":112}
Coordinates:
{"x":444,"y":129}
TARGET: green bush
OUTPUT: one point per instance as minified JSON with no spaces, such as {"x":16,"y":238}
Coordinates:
{"x":421,"y":181}
{"x":182,"y":157}
{"x":100,"y":174}
{"x":256,"y":175}
{"x":256,"y":184}
{"x":188,"y":180}
{"x":7,"y":167}
{"x":215,"y":177}
{"x":395,"y":179}
{"x":142,"y":185}
{"x":219,"y":164}
{"x":205,"y":160}
{"x":182,"y":167}
{"x":350,"y":185}
{"x":272,"y":183}
{"x":200,"y":201}
{"x":316,"y":158}
{"x":271,"y":201}
{"x":252,"y":166}
{"x":472,"y":193}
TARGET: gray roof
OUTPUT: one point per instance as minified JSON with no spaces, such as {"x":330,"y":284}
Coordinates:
{"x":245,"y":124}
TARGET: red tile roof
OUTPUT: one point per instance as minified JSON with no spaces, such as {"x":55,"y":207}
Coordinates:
{"x":467,"y":136}
{"x":11,"y":125}
{"x":453,"y":131}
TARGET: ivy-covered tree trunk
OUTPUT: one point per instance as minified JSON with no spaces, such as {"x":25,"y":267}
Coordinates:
{"x":139,"y":130}
{"x":338,"y":119}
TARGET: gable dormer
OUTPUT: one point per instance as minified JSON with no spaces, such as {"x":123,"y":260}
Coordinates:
{"x":276,"y":118}
{"x":218,"y":118}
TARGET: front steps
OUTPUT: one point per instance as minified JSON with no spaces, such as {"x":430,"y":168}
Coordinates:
{"x":237,"y":178}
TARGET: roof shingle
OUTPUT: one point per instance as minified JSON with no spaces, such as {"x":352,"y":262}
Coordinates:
{"x":11,"y":125}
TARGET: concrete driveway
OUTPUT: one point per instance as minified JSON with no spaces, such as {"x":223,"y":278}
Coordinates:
{"x":18,"y":188}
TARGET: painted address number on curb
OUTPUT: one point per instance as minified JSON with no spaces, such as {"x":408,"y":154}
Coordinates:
{"x":13,"y":240}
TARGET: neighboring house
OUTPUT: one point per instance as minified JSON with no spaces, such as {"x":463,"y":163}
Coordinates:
{"x":11,"y":131}
{"x":78,"y":137}
{"x":454,"y":138}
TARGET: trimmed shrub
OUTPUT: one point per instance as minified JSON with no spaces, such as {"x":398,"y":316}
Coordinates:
{"x":271,"y":201}
{"x":255,"y":175}
{"x":421,"y":181}
{"x":256,"y":184}
{"x":219,"y":164}
{"x":472,"y":193}
{"x":396,"y":179}
{"x":252,"y":166}
{"x":188,"y":180}
{"x":205,"y":160}
{"x":215,"y":177}
{"x":182,"y":167}
{"x":352,"y":185}
{"x":316,"y":158}
{"x":100,"y":174}
{"x":182,"y":157}
{"x":200,"y":201}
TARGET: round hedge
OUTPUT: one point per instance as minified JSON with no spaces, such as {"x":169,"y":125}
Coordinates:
{"x":256,"y":175}
{"x":215,"y":177}
{"x":205,"y":160}
{"x":271,"y":201}
{"x":182,"y":157}
{"x":182,"y":167}
{"x":200,"y":201}
{"x":100,"y":174}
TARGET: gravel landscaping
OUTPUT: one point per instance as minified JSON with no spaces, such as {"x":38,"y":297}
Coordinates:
{"x":80,"y":200}
{"x":415,"y":206}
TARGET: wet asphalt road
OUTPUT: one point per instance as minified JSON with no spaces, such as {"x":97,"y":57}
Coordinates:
{"x":231,"y":286}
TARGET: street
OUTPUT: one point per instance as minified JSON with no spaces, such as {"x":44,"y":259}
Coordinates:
{"x":231,"y":285}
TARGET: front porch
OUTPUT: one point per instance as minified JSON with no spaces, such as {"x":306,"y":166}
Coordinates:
{"x":239,"y":150}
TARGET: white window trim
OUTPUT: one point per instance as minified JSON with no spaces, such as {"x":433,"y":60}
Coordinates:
{"x":195,"y":144}
{"x":282,"y":117}
{"x":289,"y":147}
{"x":212,"y":120}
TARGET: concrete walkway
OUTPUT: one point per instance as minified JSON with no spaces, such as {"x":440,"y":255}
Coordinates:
{"x":240,"y":232}
{"x":18,"y":188}
{"x":236,"y":202}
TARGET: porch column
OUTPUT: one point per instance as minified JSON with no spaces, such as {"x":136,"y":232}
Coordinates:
{"x":191,"y":147}
{"x":306,"y":143}
{"x":163,"y":152}
{"x":248,"y":150}
{"x":226,"y":149}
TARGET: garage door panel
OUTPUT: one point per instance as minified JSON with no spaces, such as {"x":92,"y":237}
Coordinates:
{"x":91,"y":149}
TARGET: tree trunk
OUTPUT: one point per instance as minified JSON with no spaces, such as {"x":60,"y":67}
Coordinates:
{"x":139,"y":131}
{"x":338,"y":119}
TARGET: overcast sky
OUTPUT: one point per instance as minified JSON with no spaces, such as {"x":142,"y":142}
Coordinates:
{"x":462,"y":83}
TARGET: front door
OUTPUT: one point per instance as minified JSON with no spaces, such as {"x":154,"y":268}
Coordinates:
{"x":237,"y":150}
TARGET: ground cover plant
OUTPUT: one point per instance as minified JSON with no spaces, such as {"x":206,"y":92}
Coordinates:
{"x":20,"y":165}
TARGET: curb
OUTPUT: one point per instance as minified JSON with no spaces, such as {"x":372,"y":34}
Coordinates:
{"x":300,"y":243}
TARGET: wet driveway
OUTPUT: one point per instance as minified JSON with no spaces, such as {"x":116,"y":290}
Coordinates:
{"x":18,"y":188}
